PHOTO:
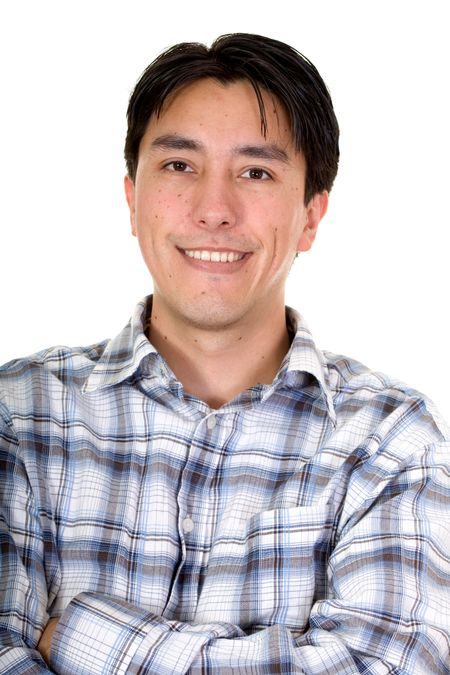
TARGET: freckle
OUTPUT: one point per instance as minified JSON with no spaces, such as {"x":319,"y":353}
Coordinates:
{"x":154,"y":317}
{"x":179,"y":195}
{"x":165,"y":337}
{"x":195,"y":340}
{"x":203,"y":293}
{"x":240,"y":338}
{"x":170,"y":276}
{"x":276,"y":229}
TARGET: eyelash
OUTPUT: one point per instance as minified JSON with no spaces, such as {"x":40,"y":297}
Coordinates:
{"x":171,"y":166}
{"x":267,"y":175}
{"x":182,"y":166}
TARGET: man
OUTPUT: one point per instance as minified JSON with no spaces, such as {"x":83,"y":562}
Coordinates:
{"x":208,"y":492}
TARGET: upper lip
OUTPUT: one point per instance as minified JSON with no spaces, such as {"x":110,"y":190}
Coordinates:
{"x":211,"y":249}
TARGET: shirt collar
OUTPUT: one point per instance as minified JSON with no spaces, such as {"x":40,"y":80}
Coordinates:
{"x":124,"y":354}
{"x":304,"y":357}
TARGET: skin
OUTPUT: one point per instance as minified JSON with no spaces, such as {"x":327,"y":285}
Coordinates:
{"x":208,"y":179}
{"x":45,"y":642}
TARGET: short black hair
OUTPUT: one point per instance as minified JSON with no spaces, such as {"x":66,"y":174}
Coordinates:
{"x":269,"y":65}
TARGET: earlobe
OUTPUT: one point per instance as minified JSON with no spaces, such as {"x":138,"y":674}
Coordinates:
{"x":130,"y":196}
{"x":315,"y":211}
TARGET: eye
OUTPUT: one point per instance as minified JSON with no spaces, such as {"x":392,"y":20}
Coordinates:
{"x":256,"y":173}
{"x":178,"y":165}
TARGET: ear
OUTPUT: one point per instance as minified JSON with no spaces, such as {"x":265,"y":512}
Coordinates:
{"x":130,"y":195}
{"x":315,"y":211}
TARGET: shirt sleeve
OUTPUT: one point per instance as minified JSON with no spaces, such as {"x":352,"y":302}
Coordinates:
{"x":24,"y":577}
{"x":117,"y":637}
{"x":387,"y":609}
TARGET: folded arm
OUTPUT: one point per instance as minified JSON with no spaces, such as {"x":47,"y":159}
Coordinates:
{"x":387,"y":610}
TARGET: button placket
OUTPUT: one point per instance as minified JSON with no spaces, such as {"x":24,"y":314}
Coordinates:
{"x":187,"y":524}
{"x":194,"y":500}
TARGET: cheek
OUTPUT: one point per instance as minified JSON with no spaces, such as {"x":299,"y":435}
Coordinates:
{"x":161,"y":208}
{"x":285,"y":235}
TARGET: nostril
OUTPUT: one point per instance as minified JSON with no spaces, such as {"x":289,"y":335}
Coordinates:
{"x":212,"y":222}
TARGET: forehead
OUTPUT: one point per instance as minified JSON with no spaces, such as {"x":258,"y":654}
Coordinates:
{"x":216,"y":108}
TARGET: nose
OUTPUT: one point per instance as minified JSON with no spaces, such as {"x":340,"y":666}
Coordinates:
{"x":215,"y":202}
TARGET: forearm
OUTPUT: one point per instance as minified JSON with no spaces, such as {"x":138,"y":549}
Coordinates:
{"x":97,"y":635}
{"x":103,"y":636}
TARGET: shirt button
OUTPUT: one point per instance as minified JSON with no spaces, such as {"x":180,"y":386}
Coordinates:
{"x":211,"y":422}
{"x":187,"y":525}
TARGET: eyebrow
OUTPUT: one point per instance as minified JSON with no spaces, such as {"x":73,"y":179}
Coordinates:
{"x":263,"y":151}
{"x":269,"y":151}
{"x":174,"y":142}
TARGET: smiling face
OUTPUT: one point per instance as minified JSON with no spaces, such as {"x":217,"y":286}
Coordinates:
{"x":218,"y":208}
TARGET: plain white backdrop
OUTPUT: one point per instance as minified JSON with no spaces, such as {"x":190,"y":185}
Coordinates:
{"x":376,"y":284}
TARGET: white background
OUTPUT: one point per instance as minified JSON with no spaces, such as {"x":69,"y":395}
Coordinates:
{"x":375,"y":286}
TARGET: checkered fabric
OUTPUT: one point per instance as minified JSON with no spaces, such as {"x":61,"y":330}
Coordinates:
{"x":303,"y":527}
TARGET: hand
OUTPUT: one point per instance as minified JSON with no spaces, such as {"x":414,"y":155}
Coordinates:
{"x":45,"y":642}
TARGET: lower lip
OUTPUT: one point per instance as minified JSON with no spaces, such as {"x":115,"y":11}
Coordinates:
{"x":216,"y":267}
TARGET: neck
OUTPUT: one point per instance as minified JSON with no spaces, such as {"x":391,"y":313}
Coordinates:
{"x":217,"y":365}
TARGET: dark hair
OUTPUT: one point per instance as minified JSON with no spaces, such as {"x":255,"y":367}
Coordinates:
{"x":268,"y":65}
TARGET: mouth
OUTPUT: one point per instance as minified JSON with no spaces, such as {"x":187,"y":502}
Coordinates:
{"x":206,"y":255}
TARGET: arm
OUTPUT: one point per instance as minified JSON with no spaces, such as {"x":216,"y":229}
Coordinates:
{"x":387,"y":609}
{"x":24,"y":570}
{"x":355,"y":625}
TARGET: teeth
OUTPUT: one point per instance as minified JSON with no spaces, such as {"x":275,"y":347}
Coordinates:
{"x":214,"y":256}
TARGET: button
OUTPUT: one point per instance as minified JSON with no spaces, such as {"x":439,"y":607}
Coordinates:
{"x":211,"y":422}
{"x":187,"y":525}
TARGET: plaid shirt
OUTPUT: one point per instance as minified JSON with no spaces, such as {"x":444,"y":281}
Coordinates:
{"x":304,"y":527}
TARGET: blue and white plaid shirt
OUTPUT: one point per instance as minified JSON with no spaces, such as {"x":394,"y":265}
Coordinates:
{"x":304,"y":527}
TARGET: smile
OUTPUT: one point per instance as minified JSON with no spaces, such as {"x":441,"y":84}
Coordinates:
{"x":214,"y":256}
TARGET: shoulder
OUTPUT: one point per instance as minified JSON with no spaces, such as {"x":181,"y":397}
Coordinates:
{"x":45,"y":373}
{"x":382,"y":404}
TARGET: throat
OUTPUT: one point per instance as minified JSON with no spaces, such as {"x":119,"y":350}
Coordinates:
{"x":217,"y":370}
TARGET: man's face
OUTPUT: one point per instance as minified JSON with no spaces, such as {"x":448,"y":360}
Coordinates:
{"x":218,"y":208}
